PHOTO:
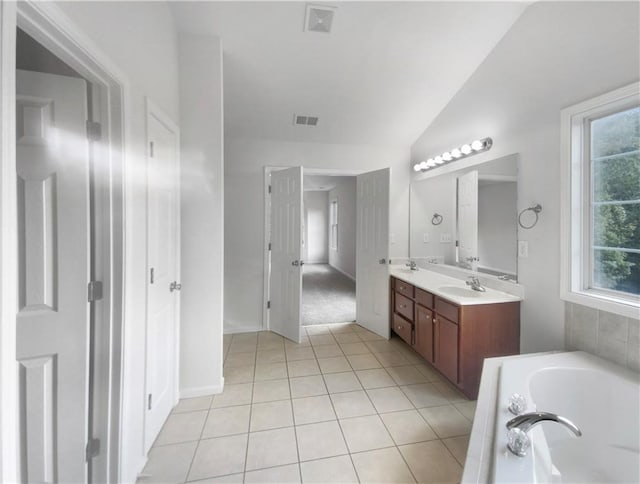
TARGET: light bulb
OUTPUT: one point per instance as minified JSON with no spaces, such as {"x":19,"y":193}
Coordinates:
{"x":416,"y":167}
{"x":466,"y":149}
{"x":431,"y":162}
{"x":424,"y":165}
{"x":446,"y":156}
{"x":438,"y":160}
{"x":456,"y":153}
{"x":477,"y":145}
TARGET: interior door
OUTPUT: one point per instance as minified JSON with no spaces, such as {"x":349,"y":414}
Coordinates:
{"x":468,"y":219}
{"x":54,"y":260}
{"x":372,"y":254}
{"x":162,"y":272}
{"x":286,"y":249}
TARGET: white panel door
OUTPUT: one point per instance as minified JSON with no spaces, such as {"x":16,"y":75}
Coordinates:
{"x":286,"y":249}
{"x":372,"y":254}
{"x":468,"y":219}
{"x":53,"y":261}
{"x":163,"y":209}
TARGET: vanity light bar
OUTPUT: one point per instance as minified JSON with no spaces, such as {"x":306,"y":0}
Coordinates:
{"x":476,"y":146}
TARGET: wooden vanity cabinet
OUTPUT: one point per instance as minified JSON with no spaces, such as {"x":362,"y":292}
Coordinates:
{"x":454,"y":339}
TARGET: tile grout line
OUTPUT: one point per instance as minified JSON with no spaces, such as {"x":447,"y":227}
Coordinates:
{"x":293,"y":419}
{"x":253,"y":384}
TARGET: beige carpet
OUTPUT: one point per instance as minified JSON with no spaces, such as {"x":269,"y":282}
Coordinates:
{"x":328,"y":296}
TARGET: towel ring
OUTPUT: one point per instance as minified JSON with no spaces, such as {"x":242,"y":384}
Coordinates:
{"x":536,"y":209}
{"x":436,"y":219}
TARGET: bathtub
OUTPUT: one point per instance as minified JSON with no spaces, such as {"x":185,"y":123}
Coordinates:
{"x":601,"y":398}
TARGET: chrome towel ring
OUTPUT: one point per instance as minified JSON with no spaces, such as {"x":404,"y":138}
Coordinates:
{"x":536,"y":209}
{"x":436,"y":219}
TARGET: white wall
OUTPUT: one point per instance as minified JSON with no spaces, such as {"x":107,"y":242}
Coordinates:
{"x":344,"y":258}
{"x":244,"y":201}
{"x":200,"y":63}
{"x":555,"y":55}
{"x":316,"y":210}
{"x":497,"y":232}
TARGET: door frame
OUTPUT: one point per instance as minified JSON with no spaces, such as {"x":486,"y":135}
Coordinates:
{"x":152,"y":109}
{"x":46,"y":23}
{"x":267,"y":224}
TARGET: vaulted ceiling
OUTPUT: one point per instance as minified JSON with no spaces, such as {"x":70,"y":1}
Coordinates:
{"x":381,"y":75}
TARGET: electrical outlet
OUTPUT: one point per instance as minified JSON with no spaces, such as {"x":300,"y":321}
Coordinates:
{"x":425,"y":238}
{"x":445,"y":238}
{"x":523,"y":249}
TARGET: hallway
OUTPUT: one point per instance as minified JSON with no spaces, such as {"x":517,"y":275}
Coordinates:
{"x":343,"y":406}
{"x":328,"y":296}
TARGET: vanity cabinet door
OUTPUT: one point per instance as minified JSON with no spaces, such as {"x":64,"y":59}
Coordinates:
{"x":446,"y":351}
{"x":424,"y":333}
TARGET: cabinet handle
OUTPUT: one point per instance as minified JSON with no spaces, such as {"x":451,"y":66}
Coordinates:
{"x":403,"y":305}
{"x":401,"y":288}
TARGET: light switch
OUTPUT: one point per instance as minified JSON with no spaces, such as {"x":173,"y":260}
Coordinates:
{"x":392,"y":238}
{"x":445,"y":238}
{"x":523,"y":249}
{"x":425,"y":238}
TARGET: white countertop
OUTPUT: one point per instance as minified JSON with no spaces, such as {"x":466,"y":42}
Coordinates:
{"x":450,"y":288}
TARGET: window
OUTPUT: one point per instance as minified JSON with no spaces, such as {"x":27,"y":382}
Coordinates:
{"x":333,"y":221}
{"x":601,"y":202}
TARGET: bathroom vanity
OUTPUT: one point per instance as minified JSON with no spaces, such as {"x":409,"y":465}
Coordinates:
{"x":453,"y":327}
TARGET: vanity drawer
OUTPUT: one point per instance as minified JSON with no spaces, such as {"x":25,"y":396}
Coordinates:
{"x":424,"y":298}
{"x":447,"y":309}
{"x":403,"y":328}
{"x":404,"y":288}
{"x":404,"y":306}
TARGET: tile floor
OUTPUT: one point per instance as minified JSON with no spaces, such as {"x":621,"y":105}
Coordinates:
{"x":343,"y":406}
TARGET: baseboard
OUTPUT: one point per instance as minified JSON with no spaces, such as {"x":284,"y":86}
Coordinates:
{"x":344,"y":273}
{"x":202,"y":391}
{"x":243,"y":330}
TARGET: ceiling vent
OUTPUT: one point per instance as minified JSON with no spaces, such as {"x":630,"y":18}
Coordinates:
{"x":319,"y":18}
{"x":305,"y":120}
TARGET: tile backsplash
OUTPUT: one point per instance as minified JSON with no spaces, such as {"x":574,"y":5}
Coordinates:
{"x":612,"y":337}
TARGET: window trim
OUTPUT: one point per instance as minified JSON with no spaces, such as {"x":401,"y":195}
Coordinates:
{"x":575,"y":227}
{"x":333,"y":221}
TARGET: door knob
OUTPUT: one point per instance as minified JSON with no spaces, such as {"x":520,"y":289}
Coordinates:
{"x":295,"y":263}
{"x":174,"y":286}
{"x":382,"y":261}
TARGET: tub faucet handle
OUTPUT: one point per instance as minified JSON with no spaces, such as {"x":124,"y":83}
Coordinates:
{"x":517,"y":404}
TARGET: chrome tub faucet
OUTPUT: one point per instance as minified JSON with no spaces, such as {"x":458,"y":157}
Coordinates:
{"x":518,"y":440}
{"x":475,"y":284}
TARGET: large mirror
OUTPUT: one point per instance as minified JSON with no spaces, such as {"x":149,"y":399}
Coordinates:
{"x":468,"y":218}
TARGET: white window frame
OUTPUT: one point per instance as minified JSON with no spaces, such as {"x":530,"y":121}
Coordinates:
{"x":333,"y":222}
{"x":575,"y":230}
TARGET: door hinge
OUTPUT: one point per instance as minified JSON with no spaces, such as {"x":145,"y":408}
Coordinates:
{"x":269,"y":188}
{"x":268,"y":304}
{"x":94,"y":291}
{"x":151,"y":276}
{"x":269,"y":245}
{"x":94,"y":131}
{"x":151,"y":146}
{"x":149,"y":401}
{"x":93,"y":448}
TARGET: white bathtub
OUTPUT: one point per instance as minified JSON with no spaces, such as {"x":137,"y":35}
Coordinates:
{"x":601,"y":398}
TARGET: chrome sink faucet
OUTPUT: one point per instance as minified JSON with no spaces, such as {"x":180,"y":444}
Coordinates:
{"x":518,"y":427}
{"x":474,"y":283}
{"x":412,"y":265}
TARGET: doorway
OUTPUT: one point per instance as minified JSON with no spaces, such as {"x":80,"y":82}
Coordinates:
{"x":329,"y":250}
{"x":284,"y":250}
{"x":63,"y":199}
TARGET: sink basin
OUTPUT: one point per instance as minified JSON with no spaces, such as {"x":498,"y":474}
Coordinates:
{"x":459,"y":291}
{"x":406,"y":271}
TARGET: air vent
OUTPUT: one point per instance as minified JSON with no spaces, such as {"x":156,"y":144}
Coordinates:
{"x":305,"y":120}
{"x":319,"y":18}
